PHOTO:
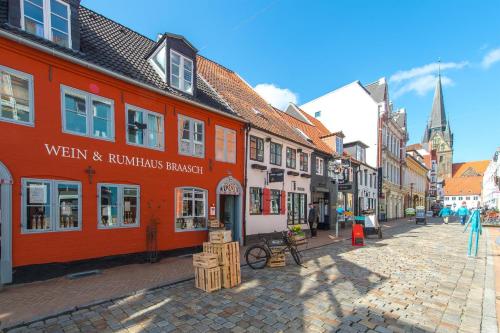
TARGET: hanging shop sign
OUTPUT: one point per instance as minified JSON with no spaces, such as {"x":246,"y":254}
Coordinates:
{"x":229,"y":186}
{"x":345,"y":187}
{"x":379,"y":183}
{"x":120,"y":159}
{"x":276,"y":176}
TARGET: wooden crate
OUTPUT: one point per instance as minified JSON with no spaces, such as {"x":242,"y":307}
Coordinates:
{"x":205,"y":260}
{"x":277,"y":258}
{"x":299,"y":240}
{"x":214,"y":223}
{"x":228,"y":253}
{"x":231,"y":275}
{"x":220,"y":236}
{"x":207,"y":279}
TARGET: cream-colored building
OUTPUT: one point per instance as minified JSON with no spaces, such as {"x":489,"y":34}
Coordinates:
{"x":415,"y":180}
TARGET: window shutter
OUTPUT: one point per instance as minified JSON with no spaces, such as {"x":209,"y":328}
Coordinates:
{"x":283,"y":203}
{"x":266,"y":201}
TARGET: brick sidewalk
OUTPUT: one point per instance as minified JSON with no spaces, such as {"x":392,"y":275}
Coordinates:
{"x":32,"y":301}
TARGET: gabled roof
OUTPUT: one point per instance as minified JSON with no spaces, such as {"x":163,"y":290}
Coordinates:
{"x":355,"y":143}
{"x":378,"y":90}
{"x":114,"y":47}
{"x":245,"y":101}
{"x":312,"y":127}
{"x":293,"y":110}
{"x":466,"y":169}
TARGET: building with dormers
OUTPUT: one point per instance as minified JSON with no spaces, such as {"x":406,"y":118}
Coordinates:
{"x":278,"y":164}
{"x":465,"y":185}
{"x":113,"y":144}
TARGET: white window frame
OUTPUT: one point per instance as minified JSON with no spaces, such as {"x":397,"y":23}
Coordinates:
{"x":205,"y":198}
{"x":192,"y":122}
{"x":226,"y":131}
{"x":182,"y":58}
{"x":47,"y":20}
{"x":320,"y":166}
{"x":120,"y":206}
{"x":54,"y":206}
{"x":89,"y":99}
{"x":28,"y":77}
{"x":339,"y":145}
{"x":145,"y":114}
{"x":161,"y":72}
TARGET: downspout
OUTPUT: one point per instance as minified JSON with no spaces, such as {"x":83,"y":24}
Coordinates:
{"x":245,"y":181}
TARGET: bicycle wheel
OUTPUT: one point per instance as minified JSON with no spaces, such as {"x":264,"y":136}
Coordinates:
{"x":296,"y":256}
{"x":257,"y":256}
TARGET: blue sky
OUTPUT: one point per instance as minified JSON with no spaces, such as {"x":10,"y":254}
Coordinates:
{"x":308,"y":48}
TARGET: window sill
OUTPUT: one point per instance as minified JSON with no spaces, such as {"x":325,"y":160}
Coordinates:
{"x":17,"y":122}
{"x":145,"y":147}
{"x":191,"y":230}
{"x":190,"y":155}
{"x":88,"y":136}
{"x":128,"y":226}
{"x":35,"y":232}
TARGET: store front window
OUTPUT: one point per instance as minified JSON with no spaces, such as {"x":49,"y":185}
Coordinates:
{"x":275,"y":202}
{"x":118,"y":205}
{"x":255,"y":201}
{"x":297,"y":204}
{"x":51,"y":205}
{"x":190,"y":209}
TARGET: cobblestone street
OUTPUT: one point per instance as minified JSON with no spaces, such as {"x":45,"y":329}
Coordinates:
{"x":416,"y":279}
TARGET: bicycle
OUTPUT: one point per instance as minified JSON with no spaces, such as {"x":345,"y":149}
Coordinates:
{"x":258,"y":255}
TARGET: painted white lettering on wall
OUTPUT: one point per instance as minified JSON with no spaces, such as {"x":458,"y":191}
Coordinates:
{"x":120,"y":159}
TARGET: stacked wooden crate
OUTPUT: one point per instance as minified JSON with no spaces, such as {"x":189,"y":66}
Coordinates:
{"x":277,"y":258}
{"x":223,"y":253}
{"x":207,"y":273}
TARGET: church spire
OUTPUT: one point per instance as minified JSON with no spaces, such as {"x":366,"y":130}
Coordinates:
{"x":438,"y":115}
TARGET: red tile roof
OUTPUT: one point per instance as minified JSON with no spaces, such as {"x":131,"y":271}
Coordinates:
{"x":314,"y":131}
{"x":467,"y":178}
{"x":245,"y":101}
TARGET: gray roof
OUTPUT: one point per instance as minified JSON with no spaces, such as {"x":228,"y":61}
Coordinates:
{"x":438,"y":115}
{"x":377,"y":90}
{"x":437,"y":120}
{"x":108,"y":44}
{"x":293,"y":111}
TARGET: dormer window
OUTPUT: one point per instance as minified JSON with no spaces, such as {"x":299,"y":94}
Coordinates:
{"x":49,"y":19}
{"x":159,"y":61}
{"x":181,"y":72}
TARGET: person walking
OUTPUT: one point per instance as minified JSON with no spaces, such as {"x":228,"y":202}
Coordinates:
{"x":463,"y":212}
{"x":312,"y":219}
{"x":445,"y":213}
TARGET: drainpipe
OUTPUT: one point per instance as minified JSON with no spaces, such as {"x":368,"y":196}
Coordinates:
{"x":245,"y":181}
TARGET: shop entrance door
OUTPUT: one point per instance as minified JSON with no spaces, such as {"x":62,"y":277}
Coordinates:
{"x":227,"y":214}
{"x":5,"y":225}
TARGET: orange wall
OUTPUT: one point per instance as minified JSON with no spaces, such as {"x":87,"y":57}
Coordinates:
{"x":22,"y":151}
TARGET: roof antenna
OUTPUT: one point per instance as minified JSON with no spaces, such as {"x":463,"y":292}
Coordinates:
{"x":439,"y":67}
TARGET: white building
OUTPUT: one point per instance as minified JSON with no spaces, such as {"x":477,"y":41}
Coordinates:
{"x":491,"y":183}
{"x":364,"y":113}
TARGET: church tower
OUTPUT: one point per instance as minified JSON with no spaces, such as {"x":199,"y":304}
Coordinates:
{"x":438,"y":135}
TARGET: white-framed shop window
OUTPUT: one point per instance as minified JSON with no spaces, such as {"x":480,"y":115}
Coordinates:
{"x":16,"y":97}
{"x":225,"y":144}
{"x":191,"y":137}
{"x":87,"y":114}
{"x":50,"y":205}
{"x":49,"y":19}
{"x":144,"y":128}
{"x":118,"y":206}
{"x":181,"y":72}
{"x":190,"y":209}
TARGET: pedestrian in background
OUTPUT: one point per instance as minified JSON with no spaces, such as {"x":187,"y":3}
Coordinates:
{"x":463,"y":212}
{"x":312,"y":219}
{"x":445,"y":213}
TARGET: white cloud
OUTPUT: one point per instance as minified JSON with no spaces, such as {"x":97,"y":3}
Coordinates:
{"x":277,"y":97}
{"x":422,"y":85}
{"x":425,"y":70}
{"x":490,"y":58}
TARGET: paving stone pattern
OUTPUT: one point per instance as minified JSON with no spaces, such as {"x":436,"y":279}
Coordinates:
{"x":417,"y":279}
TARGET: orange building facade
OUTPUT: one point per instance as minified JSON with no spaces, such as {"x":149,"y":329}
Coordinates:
{"x":75,"y":196}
